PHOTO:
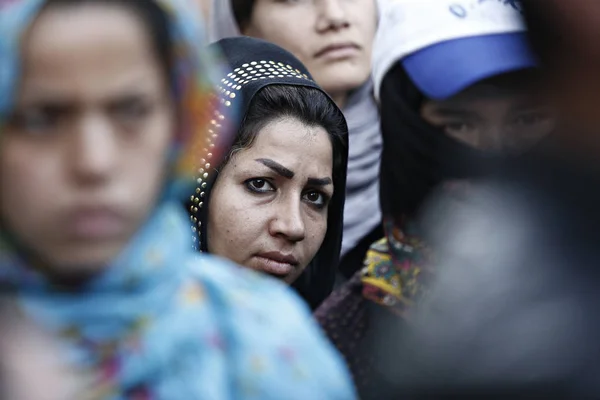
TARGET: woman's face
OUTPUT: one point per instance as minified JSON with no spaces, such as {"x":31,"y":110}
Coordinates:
{"x":332,"y":38}
{"x":83,"y":157}
{"x":487,"y":117}
{"x":268,"y":208}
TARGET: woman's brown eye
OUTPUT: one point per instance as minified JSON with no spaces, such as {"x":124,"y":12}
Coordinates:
{"x":317,"y":199}
{"x":36,"y":121}
{"x":314,"y":196}
{"x":257,"y":185}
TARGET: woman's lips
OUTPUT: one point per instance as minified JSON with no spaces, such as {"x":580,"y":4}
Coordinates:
{"x":338,"y":51}
{"x":277,"y":264}
{"x":94,"y":224}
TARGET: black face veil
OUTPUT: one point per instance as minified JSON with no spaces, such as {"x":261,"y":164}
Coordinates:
{"x":417,"y":156}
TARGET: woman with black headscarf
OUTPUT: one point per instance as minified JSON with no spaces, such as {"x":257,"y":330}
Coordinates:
{"x":334,"y":40}
{"x":275,"y":204}
{"x":454,"y":89}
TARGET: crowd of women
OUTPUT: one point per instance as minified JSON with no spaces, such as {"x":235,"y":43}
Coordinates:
{"x":386,"y":199}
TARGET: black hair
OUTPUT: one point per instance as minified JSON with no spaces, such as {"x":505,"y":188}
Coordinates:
{"x":306,"y":104}
{"x":150,"y":14}
{"x":242,"y":11}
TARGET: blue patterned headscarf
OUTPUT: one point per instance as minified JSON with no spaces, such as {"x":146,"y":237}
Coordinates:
{"x":163,"y":322}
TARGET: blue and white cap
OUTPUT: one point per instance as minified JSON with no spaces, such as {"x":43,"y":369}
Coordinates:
{"x":446,"y":46}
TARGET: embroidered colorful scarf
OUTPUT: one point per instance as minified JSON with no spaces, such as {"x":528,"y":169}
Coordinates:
{"x":396,"y":269}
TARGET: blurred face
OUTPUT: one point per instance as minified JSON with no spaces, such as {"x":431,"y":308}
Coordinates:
{"x":490,"y":117}
{"x":268,"y":208}
{"x":83,"y":157}
{"x":332,"y":38}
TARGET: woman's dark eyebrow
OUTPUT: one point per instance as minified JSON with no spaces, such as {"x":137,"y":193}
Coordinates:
{"x":450,"y":112}
{"x":319,"y":181}
{"x":44,"y":104}
{"x":289,"y":174}
{"x":526,"y":108}
{"x":275,"y":166}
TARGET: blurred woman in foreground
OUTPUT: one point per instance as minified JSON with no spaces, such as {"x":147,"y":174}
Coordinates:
{"x":95,"y":247}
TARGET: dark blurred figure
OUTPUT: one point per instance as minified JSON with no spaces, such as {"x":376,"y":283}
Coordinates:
{"x":566,"y":37}
{"x":453,"y":109}
{"x":512,"y":312}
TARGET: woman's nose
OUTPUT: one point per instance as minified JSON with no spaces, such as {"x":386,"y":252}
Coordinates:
{"x":288,"y":222}
{"x":494,"y":138}
{"x":332,"y":15}
{"x":92,"y":154}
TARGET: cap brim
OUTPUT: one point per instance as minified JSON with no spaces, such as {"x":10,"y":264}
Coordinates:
{"x":445,"y":69}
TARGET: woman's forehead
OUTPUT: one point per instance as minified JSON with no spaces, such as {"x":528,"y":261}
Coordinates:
{"x":290,"y":143}
{"x":99,"y":27}
{"x":111,"y":53}
{"x":290,"y":133}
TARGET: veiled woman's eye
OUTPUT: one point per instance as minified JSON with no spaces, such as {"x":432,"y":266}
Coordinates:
{"x":458,"y":128}
{"x":531,"y":118}
{"x":258,"y":185}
